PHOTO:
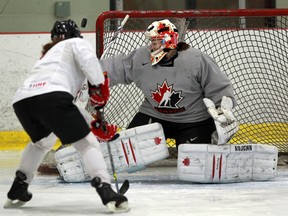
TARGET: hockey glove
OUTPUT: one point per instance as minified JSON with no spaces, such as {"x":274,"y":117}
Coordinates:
{"x":99,"y":94}
{"x":104,"y":131}
{"x":225,"y":122}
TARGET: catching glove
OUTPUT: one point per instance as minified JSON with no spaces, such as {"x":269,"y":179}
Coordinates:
{"x":225,"y":122}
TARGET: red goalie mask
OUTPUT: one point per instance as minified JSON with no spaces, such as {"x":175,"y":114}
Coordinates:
{"x":163,"y":35}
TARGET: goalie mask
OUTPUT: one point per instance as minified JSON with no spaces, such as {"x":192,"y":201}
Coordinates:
{"x":163,"y":36}
{"x":67,"y":28}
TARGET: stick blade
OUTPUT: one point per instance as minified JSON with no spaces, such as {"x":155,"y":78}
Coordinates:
{"x":124,"y":188}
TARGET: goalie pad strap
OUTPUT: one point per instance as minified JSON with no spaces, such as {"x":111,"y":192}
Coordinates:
{"x":206,"y":163}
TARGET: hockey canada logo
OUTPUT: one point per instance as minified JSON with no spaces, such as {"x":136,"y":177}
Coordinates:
{"x":167,"y":99}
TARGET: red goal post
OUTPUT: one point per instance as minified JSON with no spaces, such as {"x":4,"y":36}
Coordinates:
{"x":250,"y":46}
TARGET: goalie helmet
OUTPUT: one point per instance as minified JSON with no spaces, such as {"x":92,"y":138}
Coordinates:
{"x":166,"y":33}
{"x":68,"y":28}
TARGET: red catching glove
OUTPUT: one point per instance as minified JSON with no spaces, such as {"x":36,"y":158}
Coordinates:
{"x":100,"y":94}
{"x":104,"y":131}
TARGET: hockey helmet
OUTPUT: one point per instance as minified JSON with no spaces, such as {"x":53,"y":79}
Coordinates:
{"x":167,"y":34}
{"x":68,"y":28}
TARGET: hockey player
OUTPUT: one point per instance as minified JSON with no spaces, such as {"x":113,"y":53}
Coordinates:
{"x":44,"y":107}
{"x":175,"y":78}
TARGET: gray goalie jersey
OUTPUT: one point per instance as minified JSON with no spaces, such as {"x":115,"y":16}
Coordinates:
{"x":172,"y":92}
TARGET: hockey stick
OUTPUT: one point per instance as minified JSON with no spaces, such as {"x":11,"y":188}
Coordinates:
{"x":125,"y":186}
{"x":119,"y":29}
{"x":113,"y":166}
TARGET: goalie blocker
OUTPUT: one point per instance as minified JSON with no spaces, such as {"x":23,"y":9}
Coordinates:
{"x":205,"y":163}
{"x":132,"y":151}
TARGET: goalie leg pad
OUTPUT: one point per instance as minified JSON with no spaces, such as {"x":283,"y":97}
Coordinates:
{"x":137,"y":147}
{"x":132,"y":151}
{"x":89,"y":161}
{"x":206,"y":163}
{"x":70,"y":165}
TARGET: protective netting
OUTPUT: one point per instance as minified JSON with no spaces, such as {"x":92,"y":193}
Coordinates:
{"x":251,"y":48}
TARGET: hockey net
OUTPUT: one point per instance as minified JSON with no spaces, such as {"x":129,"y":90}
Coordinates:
{"x":250,"y":46}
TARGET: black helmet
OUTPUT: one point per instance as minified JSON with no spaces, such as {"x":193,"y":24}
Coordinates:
{"x":68,"y":28}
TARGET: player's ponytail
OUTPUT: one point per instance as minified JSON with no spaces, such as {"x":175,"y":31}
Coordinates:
{"x":48,"y":46}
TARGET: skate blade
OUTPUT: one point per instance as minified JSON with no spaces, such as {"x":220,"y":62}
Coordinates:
{"x":13,"y":203}
{"x":123,"y":207}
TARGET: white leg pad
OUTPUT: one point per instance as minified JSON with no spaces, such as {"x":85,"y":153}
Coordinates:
{"x":137,"y":147}
{"x":206,"y":163}
{"x":70,"y":165}
{"x":132,"y":151}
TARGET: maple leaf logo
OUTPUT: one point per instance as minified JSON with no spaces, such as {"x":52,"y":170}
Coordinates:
{"x":157,"y":140}
{"x":166,"y":97}
{"x":186,"y":161}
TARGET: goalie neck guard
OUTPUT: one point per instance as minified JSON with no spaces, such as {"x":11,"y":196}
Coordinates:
{"x":166,"y":33}
{"x":67,"y":28}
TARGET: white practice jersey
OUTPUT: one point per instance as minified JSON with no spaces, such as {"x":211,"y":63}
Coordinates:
{"x":174,"y":93}
{"x":65,"y":67}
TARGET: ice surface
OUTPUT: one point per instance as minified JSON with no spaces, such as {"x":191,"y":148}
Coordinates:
{"x":153,"y":191}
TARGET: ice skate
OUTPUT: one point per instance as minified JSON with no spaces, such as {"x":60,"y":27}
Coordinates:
{"x":18,"y":194}
{"x":115,"y":202}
